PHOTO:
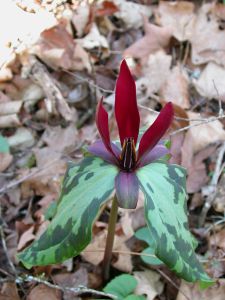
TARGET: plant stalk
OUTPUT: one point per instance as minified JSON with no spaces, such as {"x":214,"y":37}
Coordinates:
{"x":110,"y":239}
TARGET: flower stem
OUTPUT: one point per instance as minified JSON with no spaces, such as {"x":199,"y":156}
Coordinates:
{"x":110,"y":239}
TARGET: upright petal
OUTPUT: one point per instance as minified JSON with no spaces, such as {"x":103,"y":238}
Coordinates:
{"x":127,"y":189}
{"x":126,"y":110}
{"x":155,"y":132}
{"x":103,"y":126}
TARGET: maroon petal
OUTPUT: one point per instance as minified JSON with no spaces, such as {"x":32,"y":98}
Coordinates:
{"x":157,"y":152}
{"x":127,"y":188}
{"x":98,"y":148}
{"x":126,"y":110}
{"x":103,"y":126}
{"x":154,"y":133}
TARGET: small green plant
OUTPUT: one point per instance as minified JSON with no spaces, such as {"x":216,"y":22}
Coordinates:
{"x":139,"y":162}
{"x":123,"y":287}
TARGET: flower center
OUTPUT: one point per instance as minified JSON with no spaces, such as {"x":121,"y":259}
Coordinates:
{"x":128,"y":154}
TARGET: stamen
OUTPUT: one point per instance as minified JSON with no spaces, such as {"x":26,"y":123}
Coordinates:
{"x":128,"y":154}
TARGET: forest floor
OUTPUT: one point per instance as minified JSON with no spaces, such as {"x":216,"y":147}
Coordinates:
{"x":58,"y":58}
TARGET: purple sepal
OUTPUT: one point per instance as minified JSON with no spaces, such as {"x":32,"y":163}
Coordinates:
{"x":98,"y":148}
{"x":127,"y":189}
{"x":157,"y":152}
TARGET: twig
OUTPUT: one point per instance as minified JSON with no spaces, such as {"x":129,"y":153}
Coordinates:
{"x":24,"y":178}
{"x":210,"y":191}
{"x":173,"y":283}
{"x":75,"y":290}
{"x":39,"y":73}
{"x":204,"y":121}
{"x":88,"y":81}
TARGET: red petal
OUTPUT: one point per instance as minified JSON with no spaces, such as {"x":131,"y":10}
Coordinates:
{"x":126,"y":110}
{"x":103,"y":126}
{"x":155,"y":132}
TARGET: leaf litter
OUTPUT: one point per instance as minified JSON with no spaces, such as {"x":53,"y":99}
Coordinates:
{"x":52,"y":75}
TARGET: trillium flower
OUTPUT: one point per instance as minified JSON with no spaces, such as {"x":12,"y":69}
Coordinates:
{"x":131,"y":155}
{"x":135,"y":164}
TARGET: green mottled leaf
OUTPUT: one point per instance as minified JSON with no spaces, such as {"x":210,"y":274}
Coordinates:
{"x":143,"y":234}
{"x":121,"y":286}
{"x":163,"y":186}
{"x":4,"y":145}
{"x":85,"y":188}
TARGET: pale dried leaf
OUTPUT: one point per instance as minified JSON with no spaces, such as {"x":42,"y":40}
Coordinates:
{"x":207,"y":39}
{"x":9,"y":121}
{"x":124,"y":262}
{"x":68,"y":137}
{"x":56,"y":47}
{"x":12,"y":107}
{"x":5,"y":74}
{"x":155,"y":38}
{"x":44,"y":292}
{"x":211,"y":82}
{"x":9,"y":291}
{"x":219,"y":201}
{"x":149,"y":284}
{"x":5,"y":161}
{"x":22,"y":139}
{"x":93,"y":39}
{"x":179,"y":15}
{"x":25,"y":238}
{"x":132,"y":13}
{"x":192,"y":291}
{"x":156,"y":72}
{"x":205,"y":134}
{"x":80,"y":18}
{"x":175,"y":88}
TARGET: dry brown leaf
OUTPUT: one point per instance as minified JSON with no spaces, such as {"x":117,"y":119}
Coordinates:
{"x":193,"y":292}
{"x":44,"y":292}
{"x":5,"y":161}
{"x":5,"y":74}
{"x":124,"y":262}
{"x":196,"y":168}
{"x":155,"y":38}
{"x":149,"y":284}
{"x":80,"y":18}
{"x":179,"y":15}
{"x":68,"y":137}
{"x":205,"y":134}
{"x":91,"y":252}
{"x":25,"y":238}
{"x":9,"y":121}
{"x":175,"y":88}
{"x":56,"y":47}
{"x":94,"y":39}
{"x":218,"y":240}
{"x":219,"y":201}
{"x":9,"y":291}
{"x":12,"y":107}
{"x":207,"y":39}
{"x":132,"y":13}
{"x":94,"y":256}
{"x":156,"y":71}
{"x":211,"y":82}
{"x":73,"y":280}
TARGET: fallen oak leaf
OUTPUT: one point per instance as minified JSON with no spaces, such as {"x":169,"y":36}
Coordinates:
{"x":155,"y":38}
{"x":179,"y":15}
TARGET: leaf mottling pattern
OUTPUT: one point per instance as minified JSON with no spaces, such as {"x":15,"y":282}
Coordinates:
{"x":85,"y":188}
{"x":163,"y":186}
